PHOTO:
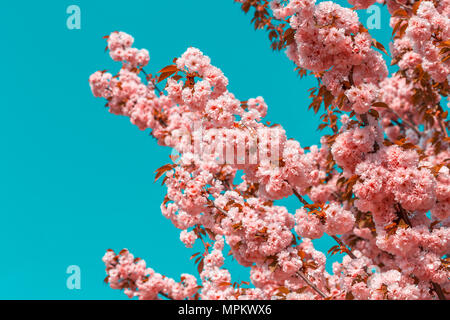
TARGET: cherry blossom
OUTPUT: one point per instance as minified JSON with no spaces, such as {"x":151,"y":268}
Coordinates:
{"x":378,"y":183}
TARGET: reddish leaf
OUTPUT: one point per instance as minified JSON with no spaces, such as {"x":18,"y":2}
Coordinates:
{"x":200,"y":267}
{"x":165,"y":75}
{"x":169,"y":69}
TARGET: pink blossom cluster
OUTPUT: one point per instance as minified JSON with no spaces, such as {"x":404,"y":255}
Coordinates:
{"x":427,"y":28}
{"x":253,"y":227}
{"x":442,"y":208}
{"x":392,"y":181}
{"x":329,"y":42}
{"x":216,"y":109}
{"x":400,"y":178}
{"x":362,"y":97}
{"x":132,"y":275}
{"x":354,"y":276}
{"x":398,"y":94}
{"x":428,"y":21}
{"x":256,"y":231}
{"x":388,"y":202}
{"x":217,"y":280}
{"x":336,"y":220}
{"x":354,"y":144}
{"x":286,"y":273}
{"x":119,"y":45}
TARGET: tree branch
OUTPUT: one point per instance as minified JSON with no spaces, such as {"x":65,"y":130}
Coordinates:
{"x":341,"y":243}
{"x":437,"y":288}
{"x":299,"y":197}
{"x":154,"y":84}
{"x":312,"y":285}
{"x":165,"y":295}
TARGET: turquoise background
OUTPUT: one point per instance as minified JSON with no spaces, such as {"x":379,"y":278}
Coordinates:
{"x":76,"y":180}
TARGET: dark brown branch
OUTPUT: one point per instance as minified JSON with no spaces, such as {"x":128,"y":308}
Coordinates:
{"x":442,"y":126}
{"x":404,"y":215}
{"x":300,"y":197}
{"x":437,"y":288}
{"x":350,"y":76}
{"x":364,"y":119}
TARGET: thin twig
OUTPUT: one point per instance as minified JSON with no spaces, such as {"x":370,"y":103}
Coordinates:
{"x":339,"y":241}
{"x":154,"y":84}
{"x":312,"y":285}
{"x":216,"y":207}
{"x":165,"y":295}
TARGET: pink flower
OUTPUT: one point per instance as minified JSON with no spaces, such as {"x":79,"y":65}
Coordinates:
{"x":338,"y":220}
{"x":362,"y":97}
{"x":308,"y":225}
{"x":188,"y":238}
{"x":379,"y":179}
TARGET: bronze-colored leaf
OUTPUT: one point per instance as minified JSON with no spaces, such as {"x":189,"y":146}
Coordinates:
{"x":169,"y":69}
